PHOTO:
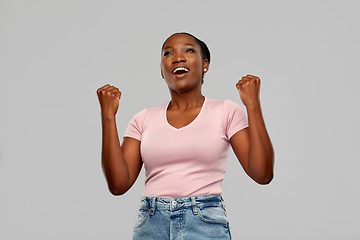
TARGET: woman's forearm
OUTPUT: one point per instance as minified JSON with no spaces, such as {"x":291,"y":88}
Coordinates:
{"x":113,"y":163}
{"x":261,"y":153}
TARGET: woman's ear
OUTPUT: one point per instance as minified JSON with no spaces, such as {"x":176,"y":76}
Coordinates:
{"x":205,"y":66}
{"x":161,"y":73}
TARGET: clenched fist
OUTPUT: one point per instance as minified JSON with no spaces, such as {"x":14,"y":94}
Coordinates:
{"x":249,"y":88}
{"x":109,"y":97}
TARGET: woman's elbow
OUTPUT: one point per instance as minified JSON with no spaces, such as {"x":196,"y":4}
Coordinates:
{"x":117,"y":190}
{"x":264,"y":180}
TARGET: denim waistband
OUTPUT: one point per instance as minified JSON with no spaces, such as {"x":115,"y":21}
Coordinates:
{"x":179,"y":203}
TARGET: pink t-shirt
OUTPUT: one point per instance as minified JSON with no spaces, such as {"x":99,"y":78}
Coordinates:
{"x":189,"y":161}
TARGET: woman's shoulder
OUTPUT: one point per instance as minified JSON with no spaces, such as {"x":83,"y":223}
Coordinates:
{"x":225,"y":103}
{"x":151,"y":110}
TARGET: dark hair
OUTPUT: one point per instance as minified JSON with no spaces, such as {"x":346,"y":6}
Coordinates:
{"x":205,"y":52}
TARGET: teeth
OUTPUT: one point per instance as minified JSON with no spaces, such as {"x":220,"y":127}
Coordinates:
{"x":180,"y":68}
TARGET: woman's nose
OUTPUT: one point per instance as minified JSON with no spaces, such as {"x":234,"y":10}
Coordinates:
{"x":179,"y":58}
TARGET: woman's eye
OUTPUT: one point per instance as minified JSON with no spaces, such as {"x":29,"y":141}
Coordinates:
{"x":190,"y":50}
{"x":166,"y":53}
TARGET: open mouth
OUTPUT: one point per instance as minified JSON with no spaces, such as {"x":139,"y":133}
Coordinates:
{"x":180,"y":70}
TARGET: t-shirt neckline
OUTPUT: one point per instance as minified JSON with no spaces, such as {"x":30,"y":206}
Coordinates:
{"x":191,"y":123}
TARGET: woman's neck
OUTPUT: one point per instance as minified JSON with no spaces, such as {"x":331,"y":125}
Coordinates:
{"x":186,"y":100}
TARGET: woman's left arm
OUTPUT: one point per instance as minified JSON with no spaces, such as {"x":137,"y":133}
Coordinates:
{"x":252,"y":145}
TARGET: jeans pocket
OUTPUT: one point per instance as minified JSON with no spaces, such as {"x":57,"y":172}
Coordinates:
{"x":213,"y":214}
{"x":143,"y":215}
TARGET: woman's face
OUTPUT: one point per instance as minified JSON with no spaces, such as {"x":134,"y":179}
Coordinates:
{"x":181,"y":63}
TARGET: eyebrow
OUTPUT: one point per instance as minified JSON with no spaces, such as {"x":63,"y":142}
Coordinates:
{"x":187,"y":44}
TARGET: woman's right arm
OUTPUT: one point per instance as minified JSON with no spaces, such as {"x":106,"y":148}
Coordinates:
{"x":121,"y":164}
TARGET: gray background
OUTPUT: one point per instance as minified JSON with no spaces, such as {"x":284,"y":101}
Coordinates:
{"x":55,"y":54}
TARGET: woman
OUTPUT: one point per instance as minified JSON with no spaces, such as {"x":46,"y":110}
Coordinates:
{"x":184,"y":146}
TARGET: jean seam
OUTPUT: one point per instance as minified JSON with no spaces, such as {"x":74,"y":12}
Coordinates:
{"x":226,"y":223}
{"x":144,"y":220}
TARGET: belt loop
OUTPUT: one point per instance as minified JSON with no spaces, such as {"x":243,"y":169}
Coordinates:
{"x":152,"y":207}
{"x":193,"y":203}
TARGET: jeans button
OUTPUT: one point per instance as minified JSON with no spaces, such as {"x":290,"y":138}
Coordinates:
{"x":174,"y":202}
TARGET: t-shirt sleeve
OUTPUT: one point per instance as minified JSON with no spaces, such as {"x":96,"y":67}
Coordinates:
{"x":236,"y":118}
{"x":135,"y":127}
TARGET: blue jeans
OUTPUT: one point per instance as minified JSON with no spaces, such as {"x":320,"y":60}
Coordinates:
{"x":200,"y":217}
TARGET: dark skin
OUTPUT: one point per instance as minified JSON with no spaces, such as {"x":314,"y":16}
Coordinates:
{"x":185,"y":89}
{"x":252,"y":146}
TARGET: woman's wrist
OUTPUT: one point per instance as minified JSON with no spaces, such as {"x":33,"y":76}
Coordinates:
{"x":256,"y":106}
{"x":107,"y":117}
